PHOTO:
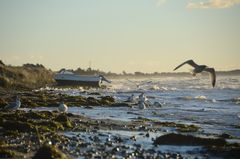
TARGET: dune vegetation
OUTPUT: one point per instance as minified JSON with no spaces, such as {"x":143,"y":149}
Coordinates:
{"x":27,"y":76}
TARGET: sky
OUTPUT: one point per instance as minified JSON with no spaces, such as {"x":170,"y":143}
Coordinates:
{"x":120,"y":35}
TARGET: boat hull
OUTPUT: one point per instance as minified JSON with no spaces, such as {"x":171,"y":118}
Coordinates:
{"x":67,"y":78}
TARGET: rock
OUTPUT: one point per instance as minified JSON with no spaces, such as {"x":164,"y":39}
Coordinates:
{"x":179,"y":139}
{"x":49,"y":125}
{"x":64,"y":120}
{"x":133,"y":138}
{"x":88,"y":107}
{"x":228,"y":151}
{"x":7,"y":153}
{"x":147,"y":135}
{"x":94,"y":93}
{"x":157,"y":104}
{"x":49,"y":152}
{"x":92,"y":101}
{"x":180,"y":127}
{"x":226,"y":136}
{"x":107,"y":100}
{"x":35,"y":115}
{"x":3,"y":103}
{"x":17,"y":126}
{"x":115,"y":149}
{"x":120,"y":105}
{"x":118,"y":139}
{"x":187,"y":128}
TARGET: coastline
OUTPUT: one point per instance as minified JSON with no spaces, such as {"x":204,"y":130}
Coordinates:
{"x":24,"y":132}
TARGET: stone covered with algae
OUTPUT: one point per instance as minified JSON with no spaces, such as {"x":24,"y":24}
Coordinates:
{"x":49,"y":152}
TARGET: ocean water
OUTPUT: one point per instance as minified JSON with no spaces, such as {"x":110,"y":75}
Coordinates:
{"x":185,"y":100}
{"x":188,"y":100}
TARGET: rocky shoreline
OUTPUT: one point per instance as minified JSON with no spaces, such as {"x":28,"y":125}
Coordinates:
{"x":51,"y":134}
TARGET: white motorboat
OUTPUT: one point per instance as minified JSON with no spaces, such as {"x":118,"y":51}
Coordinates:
{"x":65,"y":77}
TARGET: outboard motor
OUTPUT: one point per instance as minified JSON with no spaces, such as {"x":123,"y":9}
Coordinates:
{"x":104,"y":79}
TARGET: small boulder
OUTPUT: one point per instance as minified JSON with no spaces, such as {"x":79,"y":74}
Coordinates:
{"x":107,"y":100}
{"x":92,"y":101}
{"x":179,"y":139}
{"x":7,"y":153}
{"x":64,"y":120}
{"x":49,"y":152}
{"x":17,"y":126}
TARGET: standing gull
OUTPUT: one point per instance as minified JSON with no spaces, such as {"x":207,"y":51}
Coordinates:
{"x":141,"y":105}
{"x":14,"y":105}
{"x":142,"y":97}
{"x":199,"y":69}
{"x":62,"y":107}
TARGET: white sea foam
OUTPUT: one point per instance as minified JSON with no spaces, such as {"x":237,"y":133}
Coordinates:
{"x":201,"y":97}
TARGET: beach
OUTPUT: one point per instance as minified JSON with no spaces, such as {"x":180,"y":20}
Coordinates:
{"x":104,"y":79}
{"x":191,"y":121}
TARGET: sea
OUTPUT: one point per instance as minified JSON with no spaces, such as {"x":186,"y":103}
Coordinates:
{"x":190,"y":100}
{"x":182,"y":99}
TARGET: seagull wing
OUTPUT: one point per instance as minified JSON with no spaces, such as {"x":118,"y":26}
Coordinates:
{"x":190,"y":62}
{"x":212,"y":73}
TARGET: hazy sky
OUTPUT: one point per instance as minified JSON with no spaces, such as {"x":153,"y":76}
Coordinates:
{"x":117,"y":35}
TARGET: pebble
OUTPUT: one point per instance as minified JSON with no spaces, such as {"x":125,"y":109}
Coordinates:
{"x":147,"y":135}
{"x":133,"y":138}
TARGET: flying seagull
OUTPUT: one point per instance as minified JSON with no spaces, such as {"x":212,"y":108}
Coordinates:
{"x":199,"y":69}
